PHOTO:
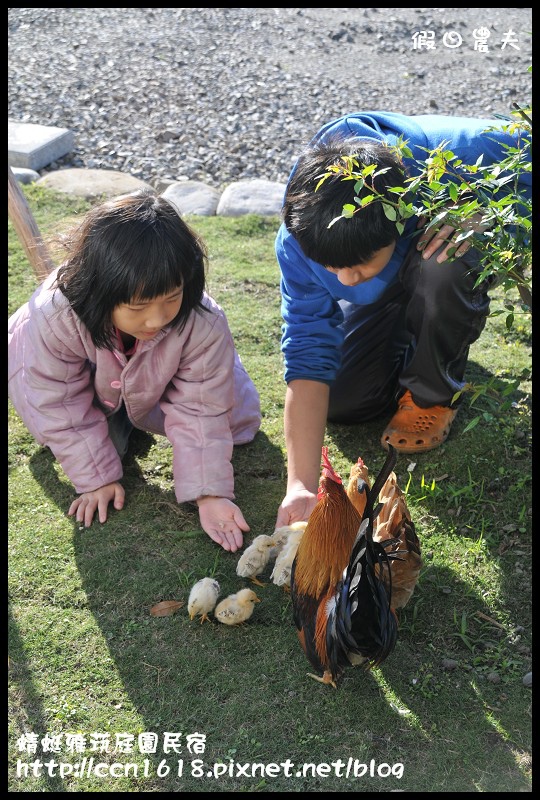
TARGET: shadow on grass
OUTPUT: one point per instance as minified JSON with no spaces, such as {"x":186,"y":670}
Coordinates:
{"x":246,"y":688}
{"x":26,"y":707}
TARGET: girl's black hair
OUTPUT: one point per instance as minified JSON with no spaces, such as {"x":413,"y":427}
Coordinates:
{"x":308,"y":213}
{"x":135,"y":246}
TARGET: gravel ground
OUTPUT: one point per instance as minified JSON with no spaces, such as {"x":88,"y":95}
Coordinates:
{"x":219,"y":95}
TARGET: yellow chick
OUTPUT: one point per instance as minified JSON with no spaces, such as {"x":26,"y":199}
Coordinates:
{"x":236,"y":608}
{"x":203,"y":598}
{"x":281,"y":574}
{"x":281,"y":535}
{"x":255,"y":558}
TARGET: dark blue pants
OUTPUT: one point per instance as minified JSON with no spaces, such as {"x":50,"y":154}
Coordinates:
{"x":120,"y":429}
{"x":416,"y":336}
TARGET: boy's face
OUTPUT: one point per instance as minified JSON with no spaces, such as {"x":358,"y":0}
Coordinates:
{"x":360,"y":273}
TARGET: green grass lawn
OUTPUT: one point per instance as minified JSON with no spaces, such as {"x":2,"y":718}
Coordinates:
{"x":92,"y":674}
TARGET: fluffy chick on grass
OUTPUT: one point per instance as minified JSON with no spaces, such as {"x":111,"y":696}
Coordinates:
{"x":280,"y":537}
{"x":281,"y":574}
{"x":236,"y":608}
{"x":255,"y":558}
{"x":203,"y":598}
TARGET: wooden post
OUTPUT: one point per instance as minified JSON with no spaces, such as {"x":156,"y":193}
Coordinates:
{"x":27,"y":229}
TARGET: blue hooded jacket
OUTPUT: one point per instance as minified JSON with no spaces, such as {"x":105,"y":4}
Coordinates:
{"x":311,"y":333}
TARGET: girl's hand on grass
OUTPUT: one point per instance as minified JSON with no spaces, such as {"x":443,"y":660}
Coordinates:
{"x":223,"y":521}
{"x":86,"y":505}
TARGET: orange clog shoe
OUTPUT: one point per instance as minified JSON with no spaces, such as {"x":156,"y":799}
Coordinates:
{"x":416,"y":430}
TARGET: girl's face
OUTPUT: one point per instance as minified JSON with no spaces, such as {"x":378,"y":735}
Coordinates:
{"x":143,"y":319}
{"x":360,"y":273}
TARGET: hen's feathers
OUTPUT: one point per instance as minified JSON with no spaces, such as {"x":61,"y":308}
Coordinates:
{"x":394,"y":523}
{"x":359,"y":472}
{"x":395,"y":530}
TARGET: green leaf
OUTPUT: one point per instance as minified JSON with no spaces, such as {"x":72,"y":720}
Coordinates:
{"x":370,"y":169}
{"x":390,"y":212}
{"x":472,"y":424}
{"x":368,"y":198}
{"x":348,"y":210}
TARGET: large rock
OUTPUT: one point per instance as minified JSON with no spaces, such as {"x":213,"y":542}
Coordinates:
{"x":192,"y":197}
{"x":92,"y":183}
{"x":255,"y":196}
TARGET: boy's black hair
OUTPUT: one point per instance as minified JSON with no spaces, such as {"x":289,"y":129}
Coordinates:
{"x":307,"y":213}
{"x":132,"y":246}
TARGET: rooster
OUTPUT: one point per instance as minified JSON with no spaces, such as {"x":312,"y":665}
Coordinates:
{"x":341,"y":582}
{"x":394,"y":529}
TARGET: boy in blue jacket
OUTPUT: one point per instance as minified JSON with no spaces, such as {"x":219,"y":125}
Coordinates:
{"x":374,"y":321}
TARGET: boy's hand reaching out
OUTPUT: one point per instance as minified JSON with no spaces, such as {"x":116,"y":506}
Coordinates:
{"x":296,"y":507}
{"x":223,"y":521}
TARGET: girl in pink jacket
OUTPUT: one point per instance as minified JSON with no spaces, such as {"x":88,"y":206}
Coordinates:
{"x":123,"y":335}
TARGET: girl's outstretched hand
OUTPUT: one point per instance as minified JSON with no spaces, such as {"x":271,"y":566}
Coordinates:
{"x":86,"y":504}
{"x":223,"y":521}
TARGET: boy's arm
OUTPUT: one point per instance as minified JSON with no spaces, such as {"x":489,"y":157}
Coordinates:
{"x":306,"y":409}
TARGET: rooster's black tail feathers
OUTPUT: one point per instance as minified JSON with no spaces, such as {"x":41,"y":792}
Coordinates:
{"x":364,"y":623}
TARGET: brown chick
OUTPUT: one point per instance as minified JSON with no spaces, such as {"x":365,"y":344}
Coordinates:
{"x":255,"y":558}
{"x":236,"y":608}
{"x":203,"y":598}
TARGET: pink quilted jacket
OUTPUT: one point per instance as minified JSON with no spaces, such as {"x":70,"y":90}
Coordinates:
{"x":190,"y":387}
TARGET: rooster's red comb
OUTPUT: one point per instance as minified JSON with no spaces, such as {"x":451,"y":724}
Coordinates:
{"x":327,"y":468}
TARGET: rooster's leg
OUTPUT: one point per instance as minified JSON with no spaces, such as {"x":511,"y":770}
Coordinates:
{"x":257,"y":582}
{"x":326,"y":678}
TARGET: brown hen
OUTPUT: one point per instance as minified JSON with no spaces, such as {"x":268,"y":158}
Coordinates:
{"x":394,"y":529}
